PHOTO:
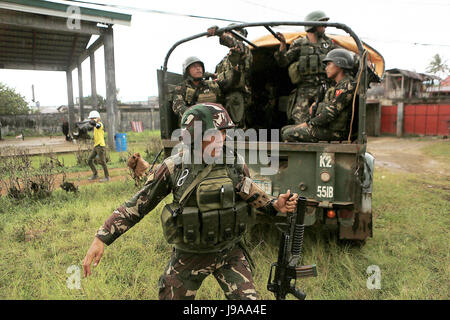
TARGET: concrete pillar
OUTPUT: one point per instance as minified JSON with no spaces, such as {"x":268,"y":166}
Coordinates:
{"x":93,"y":81}
{"x":110,"y":78}
{"x":80,"y":91}
{"x":70,"y":101}
{"x":400,"y":108}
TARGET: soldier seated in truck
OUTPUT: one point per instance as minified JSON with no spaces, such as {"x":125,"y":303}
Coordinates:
{"x":329,"y":118}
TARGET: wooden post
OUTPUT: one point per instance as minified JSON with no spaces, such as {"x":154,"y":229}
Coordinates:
{"x":110,"y":78}
{"x":80,"y":91}
{"x":70,"y":100}
{"x":93,"y":81}
{"x":400,"y":107}
{"x":403,"y":87}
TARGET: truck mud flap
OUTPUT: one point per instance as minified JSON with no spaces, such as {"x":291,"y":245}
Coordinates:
{"x":361,"y":228}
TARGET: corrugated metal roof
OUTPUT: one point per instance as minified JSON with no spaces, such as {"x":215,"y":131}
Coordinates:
{"x":62,"y":9}
{"x":37,"y":35}
{"x":413,"y":75}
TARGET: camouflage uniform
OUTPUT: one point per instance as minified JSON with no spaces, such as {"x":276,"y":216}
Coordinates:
{"x":304,"y":60}
{"x":193,"y":261}
{"x":332,"y":116}
{"x":236,"y":63}
{"x":187,"y":94}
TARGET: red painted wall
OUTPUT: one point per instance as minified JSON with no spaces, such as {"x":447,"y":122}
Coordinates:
{"x":425,"y":119}
{"x":389,"y":119}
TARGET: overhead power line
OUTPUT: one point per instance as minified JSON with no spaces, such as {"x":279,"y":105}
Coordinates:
{"x":157,"y":11}
{"x":230,"y":20}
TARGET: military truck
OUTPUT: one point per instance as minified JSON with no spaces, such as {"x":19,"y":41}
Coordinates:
{"x":335,"y":177}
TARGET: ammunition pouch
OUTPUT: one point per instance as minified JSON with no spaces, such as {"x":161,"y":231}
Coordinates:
{"x":206,"y":97}
{"x":206,"y":228}
{"x":190,"y":93}
{"x":216,"y":219}
{"x":172,"y":228}
{"x":294,"y":72}
{"x":215,"y":192}
{"x":309,"y":63}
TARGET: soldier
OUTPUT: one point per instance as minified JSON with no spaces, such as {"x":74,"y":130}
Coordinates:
{"x":331,"y":120}
{"x":207,"y":218}
{"x":306,"y":71}
{"x":99,"y":146}
{"x":236,"y":63}
{"x":194,"y":89}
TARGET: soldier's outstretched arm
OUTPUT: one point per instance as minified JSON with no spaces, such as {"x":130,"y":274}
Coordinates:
{"x":157,"y":187}
{"x":285,"y":58}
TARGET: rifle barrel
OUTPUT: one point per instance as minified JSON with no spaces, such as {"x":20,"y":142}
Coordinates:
{"x":243,"y":38}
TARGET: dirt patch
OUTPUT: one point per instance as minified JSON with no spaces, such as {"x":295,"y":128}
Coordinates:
{"x":40,"y":145}
{"x":407,"y":155}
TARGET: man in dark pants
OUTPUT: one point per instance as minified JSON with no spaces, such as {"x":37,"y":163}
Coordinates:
{"x":99,"y":146}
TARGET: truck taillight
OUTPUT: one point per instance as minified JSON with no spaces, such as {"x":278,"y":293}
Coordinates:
{"x":331,"y":214}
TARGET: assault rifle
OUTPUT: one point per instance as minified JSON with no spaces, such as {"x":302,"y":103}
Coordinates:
{"x":290,"y":255}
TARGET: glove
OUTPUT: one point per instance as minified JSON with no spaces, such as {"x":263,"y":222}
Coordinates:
{"x":212,"y":31}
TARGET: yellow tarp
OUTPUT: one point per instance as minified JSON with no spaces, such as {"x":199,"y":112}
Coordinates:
{"x":346,"y":42}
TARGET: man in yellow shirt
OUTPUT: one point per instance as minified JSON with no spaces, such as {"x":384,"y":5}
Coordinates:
{"x":99,"y":146}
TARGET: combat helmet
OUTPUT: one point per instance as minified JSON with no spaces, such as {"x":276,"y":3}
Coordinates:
{"x":211,"y":115}
{"x":315,"y":16}
{"x":242,"y":31}
{"x":188,"y":62}
{"x":340,"y":57}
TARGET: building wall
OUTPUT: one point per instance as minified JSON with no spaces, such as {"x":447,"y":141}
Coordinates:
{"x":418,"y":119}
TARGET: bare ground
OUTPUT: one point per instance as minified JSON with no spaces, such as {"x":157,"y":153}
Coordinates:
{"x":40,"y":145}
{"x":407,"y":155}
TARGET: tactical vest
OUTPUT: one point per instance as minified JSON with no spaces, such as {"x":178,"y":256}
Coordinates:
{"x":309,"y":63}
{"x":209,"y":218}
{"x":199,"y":95}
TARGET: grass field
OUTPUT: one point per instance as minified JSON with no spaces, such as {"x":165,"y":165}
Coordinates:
{"x":42,"y":239}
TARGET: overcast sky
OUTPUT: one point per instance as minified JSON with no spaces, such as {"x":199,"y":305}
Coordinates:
{"x":406,"y":32}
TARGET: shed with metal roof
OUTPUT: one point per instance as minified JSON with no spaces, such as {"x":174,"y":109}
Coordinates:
{"x":54,"y":36}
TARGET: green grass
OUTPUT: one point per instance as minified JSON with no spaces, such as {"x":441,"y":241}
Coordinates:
{"x":410,"y":245}
{"x":439,"y":149}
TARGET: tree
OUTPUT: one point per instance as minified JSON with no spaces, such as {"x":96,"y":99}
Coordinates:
{"x":437,"y":66}
{"x":101,"y":102}
{"x":11,"y":102}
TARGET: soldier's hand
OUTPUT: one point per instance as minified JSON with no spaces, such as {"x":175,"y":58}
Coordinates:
{"x":212,"y":31}
{"x":282,"y":40}
{"x":281,"y":37}
{"x":94,"y":252}
{"x":311,"y":108}
{"x":284,"y":203}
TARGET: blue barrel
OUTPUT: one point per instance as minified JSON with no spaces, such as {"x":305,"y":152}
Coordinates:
{"x":121,"y":142}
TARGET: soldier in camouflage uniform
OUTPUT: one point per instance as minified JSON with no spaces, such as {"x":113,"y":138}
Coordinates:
{"x":331,"y":120}
{"x":306,"y":71}
{"x":208,"y":215}
{"x":236,"y":63}
{"x":194,"y":88}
